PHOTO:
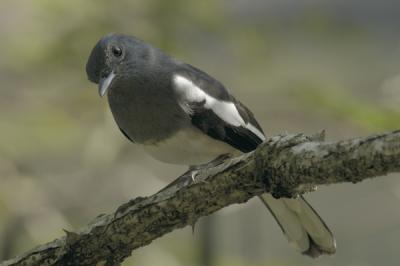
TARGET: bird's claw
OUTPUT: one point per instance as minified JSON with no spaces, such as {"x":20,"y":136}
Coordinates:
{"x":193,"y":175}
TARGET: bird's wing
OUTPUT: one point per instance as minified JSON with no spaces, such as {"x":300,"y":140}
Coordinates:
{"x":216,"y":112}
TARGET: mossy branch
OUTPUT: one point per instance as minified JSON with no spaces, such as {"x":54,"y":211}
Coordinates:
{"x":285,"y":165}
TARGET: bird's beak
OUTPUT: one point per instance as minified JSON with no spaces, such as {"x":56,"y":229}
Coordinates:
{"x":105,"y":83}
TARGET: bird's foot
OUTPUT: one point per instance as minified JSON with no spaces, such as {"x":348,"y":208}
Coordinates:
{"x":193,"y":175}
{"x":194,"y":172}
{"x":124,"y":207}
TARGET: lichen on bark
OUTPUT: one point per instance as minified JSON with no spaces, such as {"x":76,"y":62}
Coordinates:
{"x":284,"y":165}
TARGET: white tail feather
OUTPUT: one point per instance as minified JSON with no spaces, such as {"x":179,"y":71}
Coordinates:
{"x":302,"y":225}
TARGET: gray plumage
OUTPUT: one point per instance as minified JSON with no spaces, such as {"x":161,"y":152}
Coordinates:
{"x":180,"y":114}
{"x":136,"y":87}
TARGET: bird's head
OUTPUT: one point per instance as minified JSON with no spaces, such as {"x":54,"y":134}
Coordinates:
{"x":112,"y":58}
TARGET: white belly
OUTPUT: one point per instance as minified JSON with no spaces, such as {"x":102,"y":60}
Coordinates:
{"x":189,"y":147}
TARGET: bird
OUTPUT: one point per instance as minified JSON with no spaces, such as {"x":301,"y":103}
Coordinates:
{"x":179,"y":114}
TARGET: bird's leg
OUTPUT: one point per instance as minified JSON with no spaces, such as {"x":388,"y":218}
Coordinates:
{"x":195,"y":169}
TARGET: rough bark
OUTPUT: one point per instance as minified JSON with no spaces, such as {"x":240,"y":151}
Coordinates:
{"x":285,"y":165}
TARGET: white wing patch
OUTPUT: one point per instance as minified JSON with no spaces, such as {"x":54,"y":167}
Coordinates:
{"x":255,"y":131}
{"x":223,"y":109}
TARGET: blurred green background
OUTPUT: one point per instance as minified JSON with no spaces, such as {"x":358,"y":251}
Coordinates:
{"x":300,"y":65}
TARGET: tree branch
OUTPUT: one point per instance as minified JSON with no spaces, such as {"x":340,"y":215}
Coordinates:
{"x":285,"y":165}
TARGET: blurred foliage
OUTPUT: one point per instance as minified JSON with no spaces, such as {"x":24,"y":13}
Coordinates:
{"x":301,"y":66}
{"x":345,"y":106}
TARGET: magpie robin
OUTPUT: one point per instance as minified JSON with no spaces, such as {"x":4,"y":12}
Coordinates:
{"x":181,"y":115}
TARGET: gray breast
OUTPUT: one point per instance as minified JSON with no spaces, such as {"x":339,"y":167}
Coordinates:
{"x":146,"y":110}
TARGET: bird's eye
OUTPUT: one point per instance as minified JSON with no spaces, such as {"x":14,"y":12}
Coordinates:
{"x":117,"y":51}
